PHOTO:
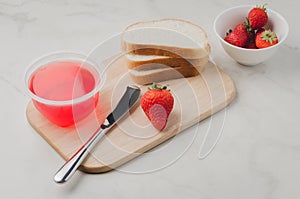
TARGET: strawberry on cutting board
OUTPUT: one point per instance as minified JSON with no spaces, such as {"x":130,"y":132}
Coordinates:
{"x":257,"y":17}
{"x":157,"y":103}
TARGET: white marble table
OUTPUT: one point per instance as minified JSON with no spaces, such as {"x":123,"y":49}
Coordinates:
{"x":258,"y":154}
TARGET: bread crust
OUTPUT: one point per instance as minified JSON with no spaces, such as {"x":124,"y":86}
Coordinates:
{"x":166,"y":74}
{"x":163,"y":62}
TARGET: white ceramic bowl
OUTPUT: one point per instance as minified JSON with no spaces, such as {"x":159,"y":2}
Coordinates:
{"x":229,"y":18}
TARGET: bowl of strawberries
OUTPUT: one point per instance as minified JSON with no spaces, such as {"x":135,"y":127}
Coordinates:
{"x":250,"y":34}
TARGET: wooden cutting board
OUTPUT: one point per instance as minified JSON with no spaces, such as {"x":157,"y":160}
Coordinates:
{"x":196,"y":98}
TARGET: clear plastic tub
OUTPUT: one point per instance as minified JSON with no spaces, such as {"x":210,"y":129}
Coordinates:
{"x":64,"y":87}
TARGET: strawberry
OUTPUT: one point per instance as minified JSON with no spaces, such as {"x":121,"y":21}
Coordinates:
{"x":257,"y":17}
{"x":157,"y":103}
{"x":246,"y":27}
{"x":237,"y":37}
{"x":251,"y":45}
{"x":266,"y":38}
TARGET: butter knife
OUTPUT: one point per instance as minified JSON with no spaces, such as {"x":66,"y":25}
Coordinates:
{"x":127,"y":101}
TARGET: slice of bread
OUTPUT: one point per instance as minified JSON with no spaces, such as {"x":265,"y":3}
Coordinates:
{"x":144,"y":77}
{"x":149,"y":62}
{"x":166,"y":37}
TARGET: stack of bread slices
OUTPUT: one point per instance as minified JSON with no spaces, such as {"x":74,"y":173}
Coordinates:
{"x":164,"y":49}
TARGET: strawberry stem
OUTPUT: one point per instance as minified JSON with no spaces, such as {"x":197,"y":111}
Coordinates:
{"x":228,"y":32}
{"x":157,"y":87}
{"x":247,"y":25}
{"x":263,"y":7}
{"x":268,"y":36}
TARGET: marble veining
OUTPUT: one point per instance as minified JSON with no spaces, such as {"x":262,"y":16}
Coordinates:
{"x":257,"y":155}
